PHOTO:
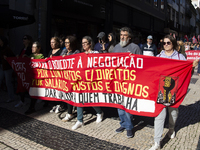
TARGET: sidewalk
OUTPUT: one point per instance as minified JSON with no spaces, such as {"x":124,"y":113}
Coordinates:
{"x":44,"y":131}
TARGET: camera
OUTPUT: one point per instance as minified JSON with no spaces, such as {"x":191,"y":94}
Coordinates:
{"x":100,"y":39}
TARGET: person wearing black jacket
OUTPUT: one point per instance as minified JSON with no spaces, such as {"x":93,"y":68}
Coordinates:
{"x":5,"y":52}
{"x":55,"y":45}
{"x":27,"y":49}
{"x":149,"y":48}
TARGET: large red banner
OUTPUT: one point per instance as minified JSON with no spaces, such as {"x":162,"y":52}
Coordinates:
{"x":193,"y":54}
{"x":141,"y":85}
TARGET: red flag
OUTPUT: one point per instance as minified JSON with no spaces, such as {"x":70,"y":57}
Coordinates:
{"x":174,"y":35}
{"x":192,"y":55}
{"x":185,"y":37}
{"x":194,"y":40}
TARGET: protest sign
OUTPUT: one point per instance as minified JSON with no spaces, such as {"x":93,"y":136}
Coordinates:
{"x":193,"y":54}
{"x":141,"y":85}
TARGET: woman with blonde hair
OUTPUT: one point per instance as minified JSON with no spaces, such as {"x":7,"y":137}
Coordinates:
{"x":181,"y":48}
{"x":36,"y":54}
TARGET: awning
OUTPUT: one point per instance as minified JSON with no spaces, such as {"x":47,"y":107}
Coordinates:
{"x":11,"y":18}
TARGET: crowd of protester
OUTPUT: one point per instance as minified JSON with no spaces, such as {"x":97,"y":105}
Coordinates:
{"x":67,"y":45}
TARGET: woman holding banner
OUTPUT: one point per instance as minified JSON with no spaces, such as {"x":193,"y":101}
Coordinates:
{"x":55,"y":45}
{"x":56,"y":51}
{"x":170,"y":51}
{"x":36,"y":48}
{"x":71,"y":48}
{"x":87,"y":47}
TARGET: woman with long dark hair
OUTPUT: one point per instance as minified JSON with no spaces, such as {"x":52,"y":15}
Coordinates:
{"x":112,"y":42}
{"x":71,"y":48}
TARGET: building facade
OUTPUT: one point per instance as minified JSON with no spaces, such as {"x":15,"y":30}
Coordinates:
{"x":89,"y":17}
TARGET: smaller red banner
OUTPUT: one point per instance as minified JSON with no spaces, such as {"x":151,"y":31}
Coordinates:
{"x":193,"y":55}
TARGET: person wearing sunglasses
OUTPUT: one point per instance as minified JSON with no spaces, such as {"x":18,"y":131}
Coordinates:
{"x":71,"y":49}
{"x":170,"y":52}
{"x":149,"y":48}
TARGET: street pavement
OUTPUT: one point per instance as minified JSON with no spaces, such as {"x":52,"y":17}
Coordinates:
{"x":43,"y":130}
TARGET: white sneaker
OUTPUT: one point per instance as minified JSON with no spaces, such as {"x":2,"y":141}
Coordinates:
{"x":99,"y":117}
{"x":156,"y":146}
{"x":172,"y":136}
{"x":77,"y":125}
{"x":67,"y":117}
{"x":57,"y":109}
{"x":53,"y":109}
{"x":19,"y":104}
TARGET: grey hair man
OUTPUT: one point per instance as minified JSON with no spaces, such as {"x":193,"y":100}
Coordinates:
{"x":126,"y":45}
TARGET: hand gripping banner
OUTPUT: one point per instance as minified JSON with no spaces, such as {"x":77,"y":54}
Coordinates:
{"x":141,"y":85}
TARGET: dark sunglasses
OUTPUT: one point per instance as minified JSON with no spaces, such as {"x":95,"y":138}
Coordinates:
{"x":24,"y":38}
{"x":168,"y":43}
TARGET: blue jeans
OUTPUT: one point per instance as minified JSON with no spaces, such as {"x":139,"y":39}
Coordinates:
{"x":126,"y":119}
{"x":80,"y":112}
{"x":9,"y":85}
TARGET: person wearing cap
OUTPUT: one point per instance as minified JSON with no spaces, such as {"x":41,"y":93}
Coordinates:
{"x":126,"y":45}
{"x":149,"y":48}
{"x":101,"y":45}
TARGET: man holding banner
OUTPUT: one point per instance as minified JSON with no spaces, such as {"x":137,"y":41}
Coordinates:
{"x":126,"y":45}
